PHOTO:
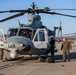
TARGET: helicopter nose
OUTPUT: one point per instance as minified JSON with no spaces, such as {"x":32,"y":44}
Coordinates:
{"x":18,"y":43}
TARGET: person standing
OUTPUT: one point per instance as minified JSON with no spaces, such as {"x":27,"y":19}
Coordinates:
{"x":52,"y":44}
{"x":1,"y":51}
{"x":66,"y":46}
{"x":1,"y":54}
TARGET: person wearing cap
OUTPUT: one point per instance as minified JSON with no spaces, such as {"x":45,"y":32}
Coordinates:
{"x":66,"y":49}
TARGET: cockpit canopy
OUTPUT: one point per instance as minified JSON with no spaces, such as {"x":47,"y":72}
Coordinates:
{"x":12,"y":32}
{"x":22,"y":31}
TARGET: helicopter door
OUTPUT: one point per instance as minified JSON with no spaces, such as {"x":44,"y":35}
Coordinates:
{"x":40,"y":39}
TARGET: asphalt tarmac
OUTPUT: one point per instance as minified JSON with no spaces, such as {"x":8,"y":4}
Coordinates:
{"x":32,"y":66}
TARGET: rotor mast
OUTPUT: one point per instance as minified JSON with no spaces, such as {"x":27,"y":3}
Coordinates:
{"x":33,"y":8}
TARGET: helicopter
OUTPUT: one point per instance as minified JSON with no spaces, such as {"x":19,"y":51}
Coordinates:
{"x":32,"y":38}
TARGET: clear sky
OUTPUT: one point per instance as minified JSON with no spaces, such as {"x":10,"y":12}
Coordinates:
{"x":68,"y":24}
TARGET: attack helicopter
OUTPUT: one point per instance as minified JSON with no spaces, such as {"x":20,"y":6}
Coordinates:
{"x":32,"y":38}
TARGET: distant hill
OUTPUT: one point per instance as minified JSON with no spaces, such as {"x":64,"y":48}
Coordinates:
{"x":67,"y":36}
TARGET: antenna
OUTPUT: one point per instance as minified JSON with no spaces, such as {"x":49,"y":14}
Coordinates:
{"x":19,"y":23}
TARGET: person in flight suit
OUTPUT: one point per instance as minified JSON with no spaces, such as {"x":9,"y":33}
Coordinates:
{"x":66,"y":46}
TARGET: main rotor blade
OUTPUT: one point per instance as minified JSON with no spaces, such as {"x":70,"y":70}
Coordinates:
{"x":11,"y":17}
{"x":26,"y":11}
{"x":53,"y":13}
{"x":63,"y":9}
{"x":46,"y":9}
{"x":11,"y":11}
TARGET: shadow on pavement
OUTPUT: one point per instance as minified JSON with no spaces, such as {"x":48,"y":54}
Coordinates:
{"x":60,"y":57}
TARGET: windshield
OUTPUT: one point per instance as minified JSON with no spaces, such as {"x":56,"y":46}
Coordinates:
{"x":26,"y":33}
{"x":12,"y":32}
